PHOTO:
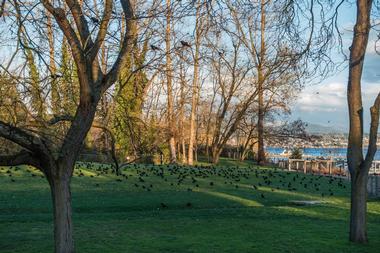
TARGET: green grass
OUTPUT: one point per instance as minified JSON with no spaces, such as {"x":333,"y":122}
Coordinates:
{"x":228,"y":216}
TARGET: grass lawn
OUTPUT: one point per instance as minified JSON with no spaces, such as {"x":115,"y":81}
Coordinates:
{"x":182,"y":209}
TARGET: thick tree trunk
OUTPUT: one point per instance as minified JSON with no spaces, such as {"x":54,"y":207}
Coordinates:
{"x":63,"y":228}
{"x":173,"y":152}
{"x":215,"y":154}
{"x":358,"y":227}
{"x":357,"y":166}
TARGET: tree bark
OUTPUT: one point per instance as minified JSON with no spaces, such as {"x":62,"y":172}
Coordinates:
{"x":182,"y":114}
{"x":261,"y":113}
{"x":195,"y":88}
{"x":357,"y":166}
{"x":171,"y":120}
{"x":63,"y":228}
{"x":358,"y":226}
{"x":215,"y":154}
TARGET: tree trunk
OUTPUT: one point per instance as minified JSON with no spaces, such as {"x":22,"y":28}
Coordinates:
{"x":260,"y":135}
{"x":181,"y":142}
{"x":357,"y":166}
{"x":63,"y":228}
{"x":195,"y":88}
{"x":215,"y":154}
{"x":358,"y":227}
{"x":184,"y":159}
{"x":261,"y":114}
{"x":215,"y":158}
{"x":169,"y":76}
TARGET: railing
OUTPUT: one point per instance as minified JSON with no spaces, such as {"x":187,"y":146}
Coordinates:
{"x":375,"y":168}
{"x":373,"y":186}
{"x":330,"y":166}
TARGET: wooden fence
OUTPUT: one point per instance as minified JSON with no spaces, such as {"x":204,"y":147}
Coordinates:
{"x":312,"y":166}
{"x":322,"y":166}
{"x":373,"y":186}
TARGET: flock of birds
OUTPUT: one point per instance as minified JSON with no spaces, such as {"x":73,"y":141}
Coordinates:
{"x":146,"y":177}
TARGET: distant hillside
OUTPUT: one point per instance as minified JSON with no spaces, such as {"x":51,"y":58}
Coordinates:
{"x":322,"y":129}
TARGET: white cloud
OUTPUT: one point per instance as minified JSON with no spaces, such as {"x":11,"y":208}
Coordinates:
{"x":330,"y":97}
{"x":373,"y":46}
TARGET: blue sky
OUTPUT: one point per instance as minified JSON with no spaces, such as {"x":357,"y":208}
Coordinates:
{"x":326,"y":103}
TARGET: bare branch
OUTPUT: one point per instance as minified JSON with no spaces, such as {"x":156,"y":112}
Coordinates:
{"x":22,"y":158}
{"x":372,"y":148}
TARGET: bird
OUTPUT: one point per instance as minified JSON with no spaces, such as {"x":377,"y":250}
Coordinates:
{"x":185,"y":43}
{"x":188,"y":204}
{"x":94,"y":20}
{"x":262,"y":196}
{"x":154,"y":48}
{"x":55,"y":76}
{"x":163,"y":205}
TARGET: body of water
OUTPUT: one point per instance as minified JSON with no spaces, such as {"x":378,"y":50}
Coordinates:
{"x":322,"y":152}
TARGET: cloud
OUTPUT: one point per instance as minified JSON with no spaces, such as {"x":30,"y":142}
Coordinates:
{"x":371,"y":71}
{"x":330,"y":97}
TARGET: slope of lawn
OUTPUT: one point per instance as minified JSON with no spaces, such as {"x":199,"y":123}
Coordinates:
{"x":184,"y":209}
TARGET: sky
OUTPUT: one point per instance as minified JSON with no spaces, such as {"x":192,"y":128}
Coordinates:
{"x":326,"y":103}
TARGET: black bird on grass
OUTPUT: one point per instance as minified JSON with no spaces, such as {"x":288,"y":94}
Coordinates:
{"x":163,"y":205}
{"x":262,"y":196}
{"x":188,"y":204}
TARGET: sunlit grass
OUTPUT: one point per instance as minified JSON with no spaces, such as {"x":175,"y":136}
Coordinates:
{"x":213,"y":214}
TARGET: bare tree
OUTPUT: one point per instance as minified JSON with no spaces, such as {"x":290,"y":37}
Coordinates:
{"x":357,"y":164}
{"x":232,"y":76}
{"x":169,"y":85}
{"x":57,"y":161}
{"x":199,"y":32}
